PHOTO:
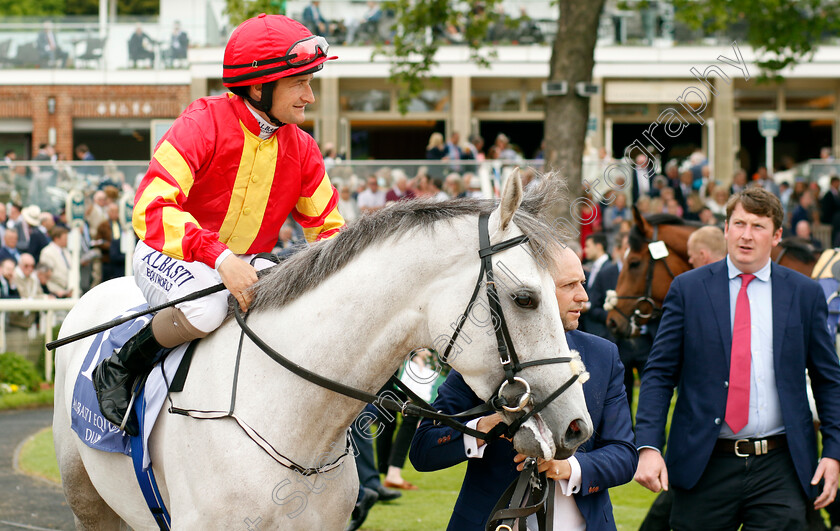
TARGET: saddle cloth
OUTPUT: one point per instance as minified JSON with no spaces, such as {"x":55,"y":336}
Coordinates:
{"x":87,"y":420}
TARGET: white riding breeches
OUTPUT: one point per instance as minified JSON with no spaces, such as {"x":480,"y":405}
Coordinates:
{"x":162,"y":279}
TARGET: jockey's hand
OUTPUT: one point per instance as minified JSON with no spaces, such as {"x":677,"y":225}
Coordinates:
{"x":652,"y":472}
{"x":238,"y":276}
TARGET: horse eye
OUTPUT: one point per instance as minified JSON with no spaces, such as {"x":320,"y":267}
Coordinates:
{"x":634,"y":265}
{"x":523,"y":301}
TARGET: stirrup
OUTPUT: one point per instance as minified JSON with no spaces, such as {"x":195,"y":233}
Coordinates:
{"x":127,"y":412}
{"x":138,"y":383}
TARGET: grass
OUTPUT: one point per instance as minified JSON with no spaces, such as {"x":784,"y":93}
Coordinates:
{"x":37,"y":457}
{"x":27,"y":399}
{"x":430,"y":506}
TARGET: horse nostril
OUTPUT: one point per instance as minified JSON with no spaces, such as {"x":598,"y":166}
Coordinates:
{"x":574,"y":433}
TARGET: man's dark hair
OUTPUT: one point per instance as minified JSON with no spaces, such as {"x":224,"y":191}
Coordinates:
{"x":834,"y":179}
{"x":57,"y":232}
{"x":758,"y":201}
{"x":8,"y":152}
{"x":42,"y":146}
{"x":599,"y":238}
{"x":438,"y":182}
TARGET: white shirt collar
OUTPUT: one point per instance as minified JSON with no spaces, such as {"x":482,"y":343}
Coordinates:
{"x":762,"y":274}
{"x":266,"y":129}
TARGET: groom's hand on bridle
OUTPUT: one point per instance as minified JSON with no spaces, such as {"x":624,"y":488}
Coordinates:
{"x":555,"y":469}
{"x":485,"y":424}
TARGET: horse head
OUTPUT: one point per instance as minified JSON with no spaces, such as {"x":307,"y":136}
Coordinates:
{"x":512,"y":326}
{"x":657,"y":252}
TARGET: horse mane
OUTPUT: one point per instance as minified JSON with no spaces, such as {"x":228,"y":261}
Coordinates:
{"x":799,"y":249}
{"x":306,"y":269}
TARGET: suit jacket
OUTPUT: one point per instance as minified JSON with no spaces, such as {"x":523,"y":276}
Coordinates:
{"x":37,"y":241}
{"x":52,"y":256}
{"x":692,"y":351}
{"x":595,"y":320}
{"x":312,"y":16}
{"x":608,"y":459}
{"x":6,"y":252}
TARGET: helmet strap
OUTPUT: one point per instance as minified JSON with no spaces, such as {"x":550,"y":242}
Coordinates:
{"x":264,"y":104}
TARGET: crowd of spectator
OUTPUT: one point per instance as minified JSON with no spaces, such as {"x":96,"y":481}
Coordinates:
{"x":377,"y":25}
{"x":35,"y":262}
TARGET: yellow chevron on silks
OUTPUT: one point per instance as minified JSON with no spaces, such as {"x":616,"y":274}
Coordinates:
{"x":157,"y":188}
{"x":334,"y":220}
{"x":314,"y":206}
{"x":175,"y":165}
{"x":174,"y":222}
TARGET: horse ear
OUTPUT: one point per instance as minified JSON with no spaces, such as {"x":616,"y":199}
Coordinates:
{"x":511,"y":199}
{"x":640,"y":220}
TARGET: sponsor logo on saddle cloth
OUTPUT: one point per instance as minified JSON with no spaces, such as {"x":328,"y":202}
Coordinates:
{"x":87,"y":420}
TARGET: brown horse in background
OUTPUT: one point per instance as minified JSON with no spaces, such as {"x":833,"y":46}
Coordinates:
{"x":644,"y":280}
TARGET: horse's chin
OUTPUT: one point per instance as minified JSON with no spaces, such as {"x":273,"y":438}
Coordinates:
{"x":535,"y":439}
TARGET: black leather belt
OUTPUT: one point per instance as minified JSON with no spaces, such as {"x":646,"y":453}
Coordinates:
{"x":747,"y":447}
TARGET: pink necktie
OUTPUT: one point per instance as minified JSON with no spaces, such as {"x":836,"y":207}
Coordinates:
{"x":738,"y":399}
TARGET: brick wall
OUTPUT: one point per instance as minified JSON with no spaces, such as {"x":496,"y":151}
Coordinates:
{"x":87,"y":101}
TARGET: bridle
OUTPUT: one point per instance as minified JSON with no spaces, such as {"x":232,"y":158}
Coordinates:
{"x":507,"y":352}
{"x":644,"y":307}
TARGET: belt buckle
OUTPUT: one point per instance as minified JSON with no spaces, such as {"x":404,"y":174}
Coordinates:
{"x":739,"y":454}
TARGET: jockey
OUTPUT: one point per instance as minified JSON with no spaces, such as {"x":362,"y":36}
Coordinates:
{"x":221,"y":183}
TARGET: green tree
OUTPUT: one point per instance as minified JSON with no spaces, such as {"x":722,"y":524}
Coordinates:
{"x":124,"y":7}
{"x":16,"y":8}
{"x":782,"y":32}
{"x":239,"y":10}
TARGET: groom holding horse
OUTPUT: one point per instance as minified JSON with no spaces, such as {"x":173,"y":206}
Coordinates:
{"x":221,"y":183}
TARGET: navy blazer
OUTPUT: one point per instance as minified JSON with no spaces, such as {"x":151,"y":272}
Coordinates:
{"x":692,"y":350}
{"x":594,"y":321}
{"x":607,"y":459}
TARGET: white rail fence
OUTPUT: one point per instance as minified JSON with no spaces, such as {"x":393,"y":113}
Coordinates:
{"x":47,"y":308}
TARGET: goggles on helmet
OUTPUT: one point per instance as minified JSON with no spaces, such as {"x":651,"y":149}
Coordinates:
{"x":303,"y":52}
{"x":307,"y":51}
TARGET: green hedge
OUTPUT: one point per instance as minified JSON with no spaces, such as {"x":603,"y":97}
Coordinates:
{"x":16,"y":370}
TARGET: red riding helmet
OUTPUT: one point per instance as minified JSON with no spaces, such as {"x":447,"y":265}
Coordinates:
{"x":267,"y":47}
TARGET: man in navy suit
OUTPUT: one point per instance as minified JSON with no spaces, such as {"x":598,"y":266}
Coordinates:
{"x":608,"y":459}
{"x":755,"y":464}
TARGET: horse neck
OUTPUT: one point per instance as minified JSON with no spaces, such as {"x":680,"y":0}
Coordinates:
{"x":356,"y":327}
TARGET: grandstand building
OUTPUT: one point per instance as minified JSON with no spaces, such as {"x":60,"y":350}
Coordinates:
{"x":647,"y":66}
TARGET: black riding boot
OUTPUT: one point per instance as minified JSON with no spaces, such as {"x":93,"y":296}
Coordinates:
{"x":114,"y":377}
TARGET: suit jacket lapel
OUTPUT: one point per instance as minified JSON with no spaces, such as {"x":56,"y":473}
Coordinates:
{"x":717,"y":288}
{"x":782,"y":297}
